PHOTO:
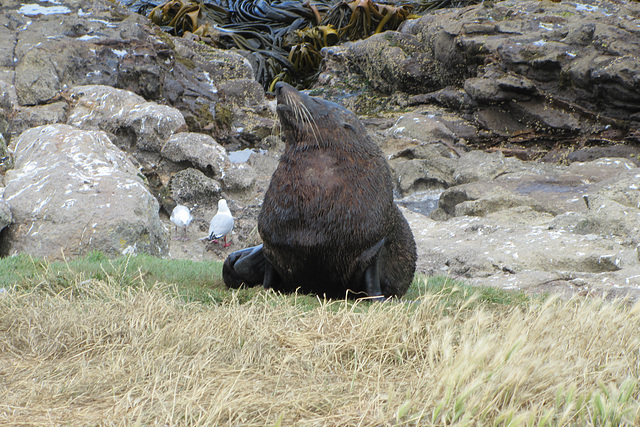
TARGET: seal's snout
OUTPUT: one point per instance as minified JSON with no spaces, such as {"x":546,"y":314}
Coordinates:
{"x":285,"y":92}
{"x":281,"y":88}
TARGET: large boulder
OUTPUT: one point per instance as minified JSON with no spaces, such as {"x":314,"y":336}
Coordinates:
{"x":198,"y":150}
{"x":192,"y":188}
{"x":132,"y":121}
{"x":73,"y":191}
{"x":401,"y":61}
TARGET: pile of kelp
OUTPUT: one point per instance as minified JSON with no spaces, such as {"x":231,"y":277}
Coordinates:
{"x":281,"y":39}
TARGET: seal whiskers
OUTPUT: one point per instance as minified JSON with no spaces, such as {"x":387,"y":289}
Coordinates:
{"x":310,"y":122}
{"x":302,"y":115}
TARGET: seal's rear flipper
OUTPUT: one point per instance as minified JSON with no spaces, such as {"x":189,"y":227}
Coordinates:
{"x":372,"y":273}
{"x":244,"y":267}
{"x":271,"y":278}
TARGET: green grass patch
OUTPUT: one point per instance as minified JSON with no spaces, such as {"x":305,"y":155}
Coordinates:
{"x":458,"y":291}
{"x":201,"y":281}
{"x":26,"y":272}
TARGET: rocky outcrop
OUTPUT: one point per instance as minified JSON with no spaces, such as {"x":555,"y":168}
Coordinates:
{"x":73,"y":191}
{"x":523,"y":66}
{"x":534,"y":226}
{"x":49,"y":49}
{"x":133,"y":123}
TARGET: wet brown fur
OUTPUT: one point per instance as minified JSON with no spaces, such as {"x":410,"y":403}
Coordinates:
{"x":329,"y":202}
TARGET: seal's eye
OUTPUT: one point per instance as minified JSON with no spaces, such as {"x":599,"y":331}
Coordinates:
{"x":348,"y":126}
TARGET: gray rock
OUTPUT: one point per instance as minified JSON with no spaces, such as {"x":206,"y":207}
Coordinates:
{"x":533,"y":229}
{"x":498,"y":120}
{"x":617,"y":82}
{"x":200,"y":150}
{"x":614,"y":210}
{"x":4,"y":122}
{"x":104,"y":44}
{"x":449,"y":97}
{"x":423,"y":128}
{"x":394,"y":61}
{"x":417,"y":175}
{"x":242,"y":92}
{"x":8,"y":98}
{"x":220,"y":65}
{"x":496,"y":199}
{"x":481,"y":199}
{"x":556,"y":189}
{"x":464,"y":130}
{"x":587,"y":154}
{"x":265,"y":164}
{"x":625,"y":188}
{"x":130,"y":120}
{"x":6,"y":218}
{"x":104,"y":39}
{"x":479,"y":165}
{"x":580,"y":34}
{"x":190,"y":187}
{"x":426,"y":170}
{"x":73,"y":191}
{"x":39,"y":115}
{"x":6,"y":160}
{"x":516,"y":249}
{"x":251,"y":125}
{"x":239,"y":178}
{"x":153,"y":124}
{"x":105,"y":108}
{"x":497,"y":86}
{"x":438,"y":153}
{"x":556,"y":67}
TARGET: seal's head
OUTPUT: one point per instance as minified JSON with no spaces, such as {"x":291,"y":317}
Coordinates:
{"x":313,"y":121}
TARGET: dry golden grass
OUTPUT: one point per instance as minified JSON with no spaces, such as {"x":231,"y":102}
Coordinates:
{"x":96,"y":353}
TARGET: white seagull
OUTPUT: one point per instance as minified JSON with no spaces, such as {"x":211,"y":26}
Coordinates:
{"x":221,"y":224}
{"x":181,"y":217}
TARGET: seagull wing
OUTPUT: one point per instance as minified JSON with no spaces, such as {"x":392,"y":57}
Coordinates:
{"x":220,"y":226}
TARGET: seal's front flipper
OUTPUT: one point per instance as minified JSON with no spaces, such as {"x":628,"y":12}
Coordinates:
{"x":244,"y":267}
{"x":372,"y":273}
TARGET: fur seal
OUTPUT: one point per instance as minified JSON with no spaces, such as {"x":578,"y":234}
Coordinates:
{"x":328,"y":222}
